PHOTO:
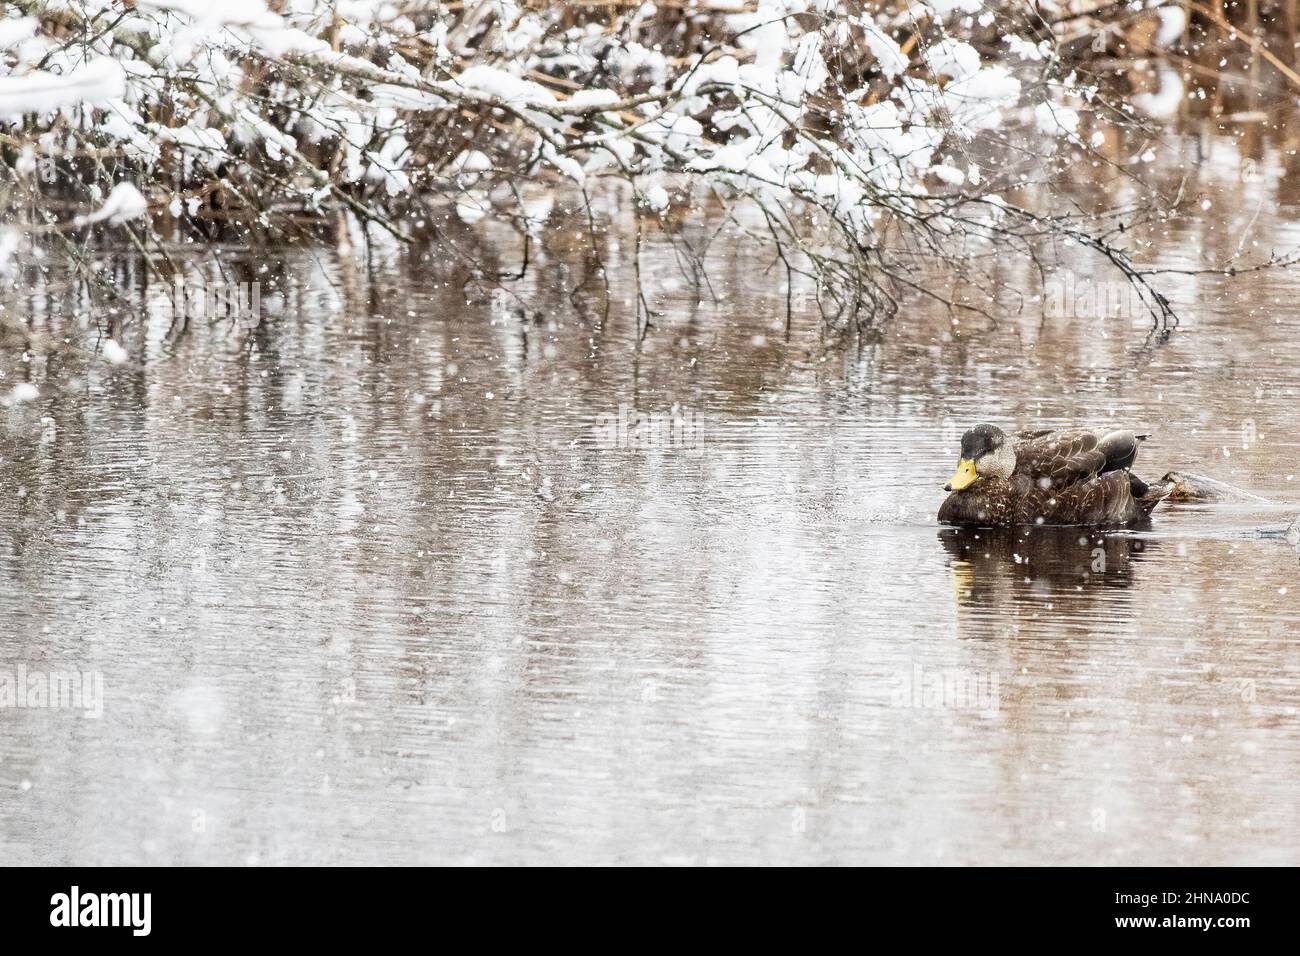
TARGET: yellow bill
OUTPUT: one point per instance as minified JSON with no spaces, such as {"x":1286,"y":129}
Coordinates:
{"x":964,"y":478}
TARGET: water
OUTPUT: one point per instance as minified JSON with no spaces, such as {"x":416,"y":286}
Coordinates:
{"x":368,"y":586}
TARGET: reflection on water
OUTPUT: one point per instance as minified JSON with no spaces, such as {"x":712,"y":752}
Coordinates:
{"x":385,"y":576}
{"x":1001,"y":570}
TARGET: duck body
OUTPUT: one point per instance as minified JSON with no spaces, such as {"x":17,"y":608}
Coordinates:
{"x":1068,"y":477}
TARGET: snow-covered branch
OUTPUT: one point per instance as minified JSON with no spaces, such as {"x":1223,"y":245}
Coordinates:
{"x":857,"y":116}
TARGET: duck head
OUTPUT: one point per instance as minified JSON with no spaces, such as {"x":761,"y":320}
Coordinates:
{"x":986,"y":452}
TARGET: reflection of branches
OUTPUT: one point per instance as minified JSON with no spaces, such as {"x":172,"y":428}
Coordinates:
{"x":1254,"y":43}
{"x":1162,"y":313}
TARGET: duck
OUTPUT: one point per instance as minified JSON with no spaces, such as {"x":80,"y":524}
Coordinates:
{"x":1071,"y":476}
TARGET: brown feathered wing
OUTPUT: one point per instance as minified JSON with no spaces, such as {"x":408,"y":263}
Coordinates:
{"x":1063,"y":457}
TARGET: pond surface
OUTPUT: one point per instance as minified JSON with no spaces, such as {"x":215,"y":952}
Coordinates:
{"x":383,"y":581}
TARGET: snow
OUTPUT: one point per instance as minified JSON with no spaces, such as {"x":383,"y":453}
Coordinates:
{"x":1051,"y":118}
{"x":636,"y":62}
{"x":505,"y":86}
{"x":765,"y":34}
{"x":1024,"y":49}
{"x":948,"y":174}
{"x":123,"y":204}
{"x":249,"y":17}
{"x":808,"y":64}
{"x":16,"y":30}
{"x":944,"y":8}
{"x":565,"y":164}
{"x":207,"y":146}
{"x":216,"y":13}
{"x":1167,"y":100}
{"x":405,"y":98}
{"x":889,"y":55}
{"x":471,"y":161}
{"x":723,"y":70}
{"x":656,"y":197}
{"x":388,"y":174}
{"x":953,"y":58}
{"x":678,"y":133}
{"x":251,"y":127}
{"x":40,"y":91}
{"x":995,"y":84}
{"x":979,"y":101}
{"x":581,"y":99}
{"x":1173,"y":21}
